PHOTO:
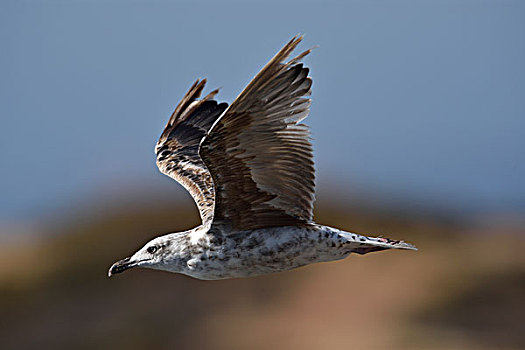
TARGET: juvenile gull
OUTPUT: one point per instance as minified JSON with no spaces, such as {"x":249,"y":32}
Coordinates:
{"x":249,"y":168}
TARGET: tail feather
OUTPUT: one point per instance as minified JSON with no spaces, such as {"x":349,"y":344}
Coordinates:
{"x":364,"y":245}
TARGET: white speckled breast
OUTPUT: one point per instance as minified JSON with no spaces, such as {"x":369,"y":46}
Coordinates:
{"x":216,"y":255}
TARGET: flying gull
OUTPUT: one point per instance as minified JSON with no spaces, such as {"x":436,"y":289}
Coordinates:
{"x":249,"y":169}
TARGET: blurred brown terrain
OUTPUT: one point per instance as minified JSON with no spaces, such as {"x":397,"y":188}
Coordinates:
{"x":463,"y":289}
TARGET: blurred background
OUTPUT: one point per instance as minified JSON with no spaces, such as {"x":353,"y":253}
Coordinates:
{"x":418,"y":120}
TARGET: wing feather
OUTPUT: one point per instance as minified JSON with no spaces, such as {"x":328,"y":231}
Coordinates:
{"x":258,"y":153}
{"x":178,"y":147}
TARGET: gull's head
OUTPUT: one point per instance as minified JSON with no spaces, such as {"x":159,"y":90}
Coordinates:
{"x":162,"y":253}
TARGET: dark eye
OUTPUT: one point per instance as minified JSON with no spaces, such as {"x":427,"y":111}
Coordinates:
{"x":152,"y":249}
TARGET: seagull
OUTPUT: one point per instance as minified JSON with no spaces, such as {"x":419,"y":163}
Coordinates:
{"x":249,"y":167}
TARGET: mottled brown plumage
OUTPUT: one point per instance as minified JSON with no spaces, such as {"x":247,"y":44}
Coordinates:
{"x":260,"y":157}
{"x":178,"y":147}
{"x":254,"y":166}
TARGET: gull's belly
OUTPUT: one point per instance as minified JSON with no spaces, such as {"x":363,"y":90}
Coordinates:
{"x":266,"y":251}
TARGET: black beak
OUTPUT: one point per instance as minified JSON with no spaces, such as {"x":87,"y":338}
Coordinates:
{"x":121,"y":266}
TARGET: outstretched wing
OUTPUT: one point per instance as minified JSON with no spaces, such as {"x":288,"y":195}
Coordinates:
{"x":178,"y":147}
{"x":259,"y":154}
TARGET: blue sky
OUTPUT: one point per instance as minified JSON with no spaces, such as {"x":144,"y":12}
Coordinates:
{"x":423,"y":101}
